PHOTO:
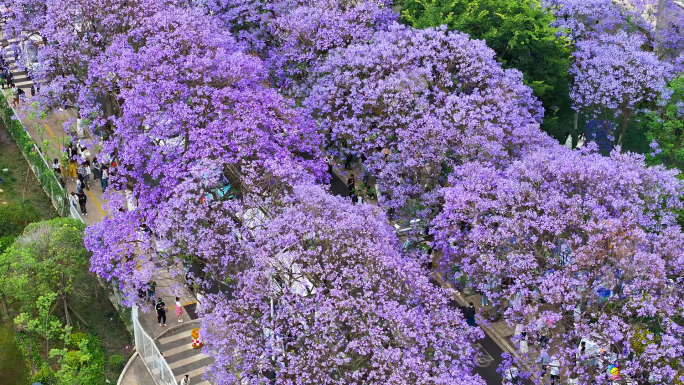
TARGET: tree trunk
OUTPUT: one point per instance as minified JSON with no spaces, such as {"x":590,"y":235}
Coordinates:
{"x":67,"y":317}
{"x":575,"y":124}
{"x":623,"y":127}
{"x":33,"y":364}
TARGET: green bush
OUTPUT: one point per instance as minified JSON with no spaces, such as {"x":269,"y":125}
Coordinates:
{"x":117,"y":361}
{"x":5,"y":242}
{"x":76,"y":338}
{"x":14,"y":217}
{"x":73,"y":359}
{"x":42,"y":376}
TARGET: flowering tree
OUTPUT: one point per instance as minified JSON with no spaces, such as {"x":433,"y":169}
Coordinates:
{"x":594,"y":252}
{"x":434,"y":98}
{"x":330,"y":300}
{"x":613,"y":75}
{"x":75,"y":34}
{"x":200,"y":140}
{"x":294,"y":36}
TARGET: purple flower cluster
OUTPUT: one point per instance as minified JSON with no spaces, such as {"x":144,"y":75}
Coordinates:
{"x":217,"y":112}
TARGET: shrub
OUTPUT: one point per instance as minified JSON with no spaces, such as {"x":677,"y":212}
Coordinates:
{"x":76,"y":338}
{"x":117,"y":361}
{"x":14,"y":217}
{"x":42,"y":376}
{"x":73,"y":359}
{"x":6,"y":242}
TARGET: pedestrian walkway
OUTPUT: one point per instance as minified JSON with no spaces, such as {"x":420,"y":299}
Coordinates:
{"x":176,"y":346}
{"x":50,"y":131}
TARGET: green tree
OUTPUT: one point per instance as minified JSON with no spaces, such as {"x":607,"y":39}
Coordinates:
{"x":665,"y":127}
{"x":520,"y":33}
{"x":40,"y":273}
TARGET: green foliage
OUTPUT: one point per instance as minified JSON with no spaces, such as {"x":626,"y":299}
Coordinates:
{"x":26,"y":145}
{"x":75,"y":339}
{"x":666,"y":127}
{"x":42,"y":376}
{"x":5,"y":242}
{"x":14,"y":217}
{"x":117,"y":361}
{"x":83,"y":366}
{"x":518,"y":31}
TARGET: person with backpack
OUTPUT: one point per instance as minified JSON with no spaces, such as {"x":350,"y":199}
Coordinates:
{"x":82,"y":199}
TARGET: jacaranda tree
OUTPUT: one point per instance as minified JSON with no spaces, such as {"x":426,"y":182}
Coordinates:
{"x":588,"y":248}
{"x":331,"y":300}
{"x":434,"y":98}
{"x":614,"y":77}
{"x":196,"y":149}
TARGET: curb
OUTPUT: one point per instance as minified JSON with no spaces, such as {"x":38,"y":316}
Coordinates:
{"x":176,"y":327}
{"x":125,"y":369}
{"x":500,"y":341}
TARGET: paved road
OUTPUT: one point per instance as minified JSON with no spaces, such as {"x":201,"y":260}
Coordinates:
{"x":490,"y":352}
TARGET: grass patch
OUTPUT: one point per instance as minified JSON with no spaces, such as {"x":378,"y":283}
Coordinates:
{"x":21,"y":185}
{"x":98,"y":312}
{"x":13,"y":367}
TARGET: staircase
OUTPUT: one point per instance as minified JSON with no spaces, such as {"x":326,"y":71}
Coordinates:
{"x":181,"y":357}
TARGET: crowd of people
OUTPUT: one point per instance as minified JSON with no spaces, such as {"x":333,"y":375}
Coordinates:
{"x":7,"y":79}
{"x":81,"y":166}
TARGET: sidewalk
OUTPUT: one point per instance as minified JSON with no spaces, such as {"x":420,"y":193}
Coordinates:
{"x":51,"y":132}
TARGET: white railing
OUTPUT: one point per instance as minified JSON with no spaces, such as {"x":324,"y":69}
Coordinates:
{"x":154,"y":361}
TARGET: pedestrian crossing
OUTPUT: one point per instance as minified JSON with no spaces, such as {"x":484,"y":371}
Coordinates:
{"x":182,"y":357}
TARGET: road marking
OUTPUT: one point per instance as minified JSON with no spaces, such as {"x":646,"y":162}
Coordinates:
{"x":53,"y":136}
{"x":485,"y":359}
{"x":104,"y":214}
{"x":183,"y":304}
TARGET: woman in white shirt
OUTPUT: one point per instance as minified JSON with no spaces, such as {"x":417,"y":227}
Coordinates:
{"x":580,"y":141}
{"x":568,"y":140}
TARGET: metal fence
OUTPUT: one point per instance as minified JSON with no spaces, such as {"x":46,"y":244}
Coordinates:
{"x":148,"y":351}
{"x":34,"y":157}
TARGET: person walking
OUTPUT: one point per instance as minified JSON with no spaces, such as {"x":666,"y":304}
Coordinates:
{"x":161,"y":312}
{"x":72,"y":169}
{"x":555,"y":371}
{"x":151,"y":290}
{"x":56,"y":167}
{"x":88,"y":172}
{"x":580,"y":141}
{"x":97,"y":169}
{"x":15,"y":96}
{"x":512,"y":376}
{"x":185,"y":380}
{"x":568,"y":140}
{"x":351,"y":184}
{"x":82,"y":199}
{"x":179,"y":310}
{"x":470,"y":314}
{"x":330,"y":161}
{"x":80,"y":171}
{"x":104,"y":178}
{"x":73,"y":199}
